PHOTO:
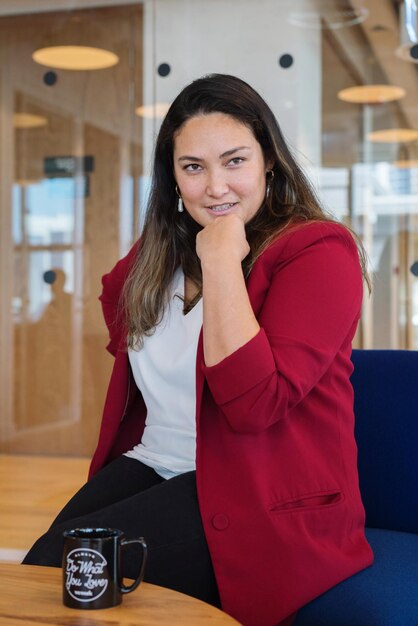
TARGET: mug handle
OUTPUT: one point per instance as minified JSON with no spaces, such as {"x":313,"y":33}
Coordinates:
{"x":125,"y":542}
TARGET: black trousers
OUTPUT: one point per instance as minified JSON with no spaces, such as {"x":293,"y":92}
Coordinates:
{"x":128,"y":495}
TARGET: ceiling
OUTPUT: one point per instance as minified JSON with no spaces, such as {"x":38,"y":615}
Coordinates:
{"x":366,"y":52}
{"x":381,"y":31}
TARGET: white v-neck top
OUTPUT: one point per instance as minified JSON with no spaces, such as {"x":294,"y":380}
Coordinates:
{"x":164,"y":369}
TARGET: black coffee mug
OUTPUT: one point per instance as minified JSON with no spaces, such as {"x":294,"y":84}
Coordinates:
{"x":92,"y":567}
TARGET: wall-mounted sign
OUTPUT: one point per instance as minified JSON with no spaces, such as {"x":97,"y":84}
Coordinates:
{"x":68,"y":165}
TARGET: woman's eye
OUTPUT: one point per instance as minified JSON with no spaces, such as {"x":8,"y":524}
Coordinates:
{"x":192,"y":167}
{"x":236,"y":161}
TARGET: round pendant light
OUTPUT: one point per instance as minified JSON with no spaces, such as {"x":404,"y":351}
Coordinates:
{"x":29,"y":120}
{"x":149,"y":111}
{"x":405,"y":164}
{"x":393,"y":135}
{"x":371,"y":94}
{"x":27,"y":182}
{"x":75,"y":57}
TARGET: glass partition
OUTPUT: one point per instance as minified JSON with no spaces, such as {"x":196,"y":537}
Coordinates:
{"x":75,"y":153}
{"x":70,"y":206}
{"x":359,"y":149}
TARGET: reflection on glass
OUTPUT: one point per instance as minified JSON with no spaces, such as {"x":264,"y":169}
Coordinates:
{"x":43,"y":338}
{"x":74,"y":204}
{"x":48,"y":211}
{"x":81,"y":225}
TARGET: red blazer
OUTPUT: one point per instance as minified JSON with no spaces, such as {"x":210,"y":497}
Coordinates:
{"x":276,"y":460}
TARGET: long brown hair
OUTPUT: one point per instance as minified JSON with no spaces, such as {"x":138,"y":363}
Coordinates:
{"x":168,"y":237}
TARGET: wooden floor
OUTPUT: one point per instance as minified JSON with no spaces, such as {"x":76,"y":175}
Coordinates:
{"x":32,"y":491}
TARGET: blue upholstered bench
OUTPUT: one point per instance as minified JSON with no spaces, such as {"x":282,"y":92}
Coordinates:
{"x":386,"y":408}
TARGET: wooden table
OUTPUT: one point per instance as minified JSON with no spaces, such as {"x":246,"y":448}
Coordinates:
{"x":33,"y":595}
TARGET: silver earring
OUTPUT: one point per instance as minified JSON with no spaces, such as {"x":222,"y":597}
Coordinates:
{"x":270,"y":175}
{"x":180,"y":207}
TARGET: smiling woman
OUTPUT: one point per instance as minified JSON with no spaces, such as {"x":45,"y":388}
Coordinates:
{"x":228,"y":178}
{"x":231,"y":322}
{"x":228,"y":173}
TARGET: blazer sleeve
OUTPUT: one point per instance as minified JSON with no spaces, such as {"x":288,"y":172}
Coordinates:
{"x":312,"y":305}
{"x":112,"y":284}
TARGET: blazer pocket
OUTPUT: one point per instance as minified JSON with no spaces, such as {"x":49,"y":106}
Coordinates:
{"x":319,"y":500}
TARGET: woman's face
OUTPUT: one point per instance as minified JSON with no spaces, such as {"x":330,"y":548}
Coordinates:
{"x":219,"y":168}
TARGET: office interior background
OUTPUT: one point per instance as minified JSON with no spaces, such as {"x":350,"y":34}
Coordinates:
{"x":76,"y":141}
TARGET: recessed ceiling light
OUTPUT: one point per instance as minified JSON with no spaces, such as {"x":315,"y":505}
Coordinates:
{"x":393,"y":135}
{"x":157,"y":110}
{"x":29,"y":120}
{"x":371,"y":94}
{"x":75,"y":57}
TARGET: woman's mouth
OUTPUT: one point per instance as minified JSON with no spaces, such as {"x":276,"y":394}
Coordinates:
{"x":221,"y":209}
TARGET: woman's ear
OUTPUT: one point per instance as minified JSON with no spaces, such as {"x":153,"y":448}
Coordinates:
{"x":269,"y":165}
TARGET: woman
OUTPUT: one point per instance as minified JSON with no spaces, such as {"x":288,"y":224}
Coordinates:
{"x":240,"y":469}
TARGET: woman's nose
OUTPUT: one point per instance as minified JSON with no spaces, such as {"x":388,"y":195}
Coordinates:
{"x":217,"y":185}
